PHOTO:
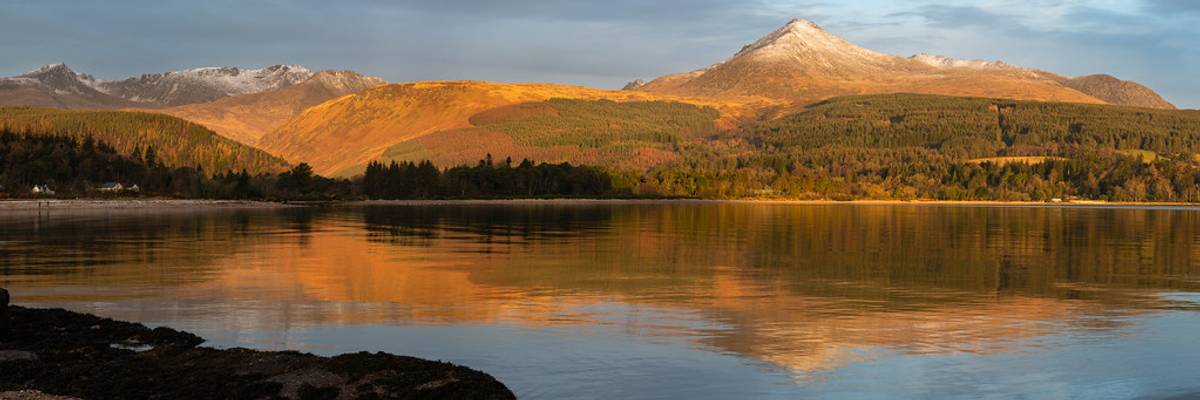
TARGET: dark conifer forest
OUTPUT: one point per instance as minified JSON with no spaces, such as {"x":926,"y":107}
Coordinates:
{"x":72,"y":167}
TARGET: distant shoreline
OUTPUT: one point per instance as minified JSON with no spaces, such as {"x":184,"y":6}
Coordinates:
{"x":99,"y":204}
{"x":570,"y":201}
{"x":177,"y":204}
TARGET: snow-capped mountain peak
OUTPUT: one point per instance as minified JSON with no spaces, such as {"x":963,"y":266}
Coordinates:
{"x":805,"y":40}
{"x":198,"y":85}
{"x":58,"y":78}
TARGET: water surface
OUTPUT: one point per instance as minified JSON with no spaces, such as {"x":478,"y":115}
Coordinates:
{"x":662,"y":300}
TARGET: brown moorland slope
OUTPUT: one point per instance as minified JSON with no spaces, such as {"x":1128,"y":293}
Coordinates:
{"x":352,"y":130}
{"x":629,"y":135}
{"x":247,"y":118}
{"x":1116,"y":91}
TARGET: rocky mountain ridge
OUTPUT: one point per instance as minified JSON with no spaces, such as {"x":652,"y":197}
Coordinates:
{"x":57,"y":85}
{"x":801,"y":62}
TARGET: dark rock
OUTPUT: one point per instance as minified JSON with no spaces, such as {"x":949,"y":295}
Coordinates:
{"x":86,"y":356}
{"x":31,"y":395}
{"x":17,"y":355}
{"x":3,"y":313}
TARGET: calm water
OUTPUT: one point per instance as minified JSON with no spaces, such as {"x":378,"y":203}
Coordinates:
{"x":683,"y":300}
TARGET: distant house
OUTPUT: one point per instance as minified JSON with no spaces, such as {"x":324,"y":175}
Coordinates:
{"x":111,"y":187}
{"x":42,"y":190}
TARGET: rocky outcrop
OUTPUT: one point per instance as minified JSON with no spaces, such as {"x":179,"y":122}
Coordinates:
{"x":90,"y":357}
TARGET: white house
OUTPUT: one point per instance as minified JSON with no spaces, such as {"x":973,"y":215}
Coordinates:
{"x":42,"y":190}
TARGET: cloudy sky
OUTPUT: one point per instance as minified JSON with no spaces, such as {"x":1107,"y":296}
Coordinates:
{"x":602,"y":43}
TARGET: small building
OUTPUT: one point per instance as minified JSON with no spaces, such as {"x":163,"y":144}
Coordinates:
{"x":111,"y":187}
{"x":42,"y":190}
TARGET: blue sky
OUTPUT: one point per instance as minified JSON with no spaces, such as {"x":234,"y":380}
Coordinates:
{"x":602,"y":43}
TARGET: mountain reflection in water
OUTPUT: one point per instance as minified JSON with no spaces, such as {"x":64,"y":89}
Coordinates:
{"x":807,"y":289}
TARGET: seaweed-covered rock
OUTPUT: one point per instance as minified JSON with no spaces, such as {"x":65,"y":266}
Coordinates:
{"x":3,"y":313}
{"x":96,"y":358}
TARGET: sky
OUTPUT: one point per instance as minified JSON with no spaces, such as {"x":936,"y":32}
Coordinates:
{"x":600,"y":43}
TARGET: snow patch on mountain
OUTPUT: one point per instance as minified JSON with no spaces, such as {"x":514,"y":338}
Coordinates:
{"x":235,"y":81}
{"x":46,"y":68}
{"x":204,"y":84}
{"x":346,"y":81}
{"x":950,"y":62}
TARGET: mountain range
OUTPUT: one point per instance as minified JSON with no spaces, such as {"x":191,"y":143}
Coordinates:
{"x":56,"y":85}
{"x":801,"y":62}
{"x":337,"y":121}
{"x":241,"y":104}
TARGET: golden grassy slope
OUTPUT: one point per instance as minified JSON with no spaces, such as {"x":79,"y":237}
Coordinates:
{"x":630,"y":135}
{"x":353,"y":130}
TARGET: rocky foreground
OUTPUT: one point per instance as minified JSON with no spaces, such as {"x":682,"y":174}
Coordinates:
{"x":54,"y":352}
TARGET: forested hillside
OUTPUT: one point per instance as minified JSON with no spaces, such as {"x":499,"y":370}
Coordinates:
{"x":973,"y":127}
{"x":630,"y":135}
{"x":172,"y":141}
{"x":599,"y":123}
{"x":933,"y":147}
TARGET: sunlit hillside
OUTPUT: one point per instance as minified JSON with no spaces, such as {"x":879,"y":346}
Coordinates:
{"x":247,"y":118}
{"x":632,"y":135}
{"x":345,"y":133}
{"x":175,"y":142}
{"x":906,"y":146}
{"x":978,"y":127}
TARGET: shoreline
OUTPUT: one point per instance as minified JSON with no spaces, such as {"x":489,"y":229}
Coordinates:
{"x":572,"y":201}
{"x":101,"y":204}
{"x":155,"y":204}
{"x":47,"y":351}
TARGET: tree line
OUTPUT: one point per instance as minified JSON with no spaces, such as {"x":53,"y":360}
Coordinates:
{"x":74,"y":167}
{"x":408,"y":180}
{"x":845,"y":173}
